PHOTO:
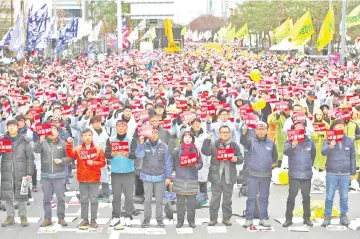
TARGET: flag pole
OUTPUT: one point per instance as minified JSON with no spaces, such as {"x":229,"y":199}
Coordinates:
{"x":119,"y":25}
{"x":343,"y":32}
{"x":329,"y":45}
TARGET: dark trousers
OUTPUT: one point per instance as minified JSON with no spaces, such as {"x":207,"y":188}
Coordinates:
{"x":139,"y":186}
{"x":122,"y":183}
{"x":226,"y":190}
{"x":190,"y":207}
{"x":89,"y":193}
{"x":255,"y":185}
{"x":203,"y":188}
{"x":294,"y":186}
{"x":34,"y":177}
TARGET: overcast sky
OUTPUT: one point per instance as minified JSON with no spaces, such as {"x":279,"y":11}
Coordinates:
{"x":187,"y":10}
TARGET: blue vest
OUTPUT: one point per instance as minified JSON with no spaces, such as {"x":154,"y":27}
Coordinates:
{"x":119,"y":163}
{"x":154,"y":162}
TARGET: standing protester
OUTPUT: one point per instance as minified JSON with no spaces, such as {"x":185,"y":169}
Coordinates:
{"x":16,"y":165}
{"x":53,"y":160}
{"x":122,"y":173}
{"x":186,"y":178}
{"x":90,"y":159}
{"x":156,"y":172}
{"x":301,"y":158}
{"x":222,"y":174}
{"x":340,"y":169}
{"x":262,"y":155}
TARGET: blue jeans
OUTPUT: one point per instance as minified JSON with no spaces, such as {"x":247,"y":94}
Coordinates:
{"x":332,"y":182}
{"x":255,"y":185}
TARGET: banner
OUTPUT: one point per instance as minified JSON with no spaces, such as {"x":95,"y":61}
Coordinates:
{"x":353,"y":18}
{"x":296,"y":135}
{"x":336,"y":135}
{"x":188,"y":160}
{"x":119,"y":146}
{"x":5,"y":41}
{"x":5,"y":146}
{"x":36,"y":27}
{"x":43,"y":129}
{"x":250,"y":120}
{"x":302,"y":29}
{"x":95,"y":34}
{"x":87,"y":154}
{"x":327,"y":30}
{"x":17,"y":39}
{"x":283,"y":30}
{"x":225,"y":154}
{"x":299,"y":117}
{"x":319,"y":127}
{"x":66,"y":34}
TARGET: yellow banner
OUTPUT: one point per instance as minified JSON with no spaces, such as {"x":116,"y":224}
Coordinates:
{"x":353,"y":18}
{"x":244,"y":31}
{"x":327,"y":30}
{"x":283,"y":30}
{"x":303,"y":28}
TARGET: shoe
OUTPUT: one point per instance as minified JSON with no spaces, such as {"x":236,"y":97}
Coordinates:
{"x":47,"y":222}
{"x":192,"y":224}
{"x":114,"y":222}
{"x":227,"y":223}
{"x":84,"y":223}
{"x":212,"y":223}
{"x":344,"y":221}
{"x":326,"y":222}
{"x":35,"y":189}
{"x":62,"y":222}
{"x":8,"y":222}
{"x":248,"y":223}
{"x":264,"y":223}
{"x":308,"y":222}
{"x":180,"y":224}
{"x":160,"y":223}
{"x":145,"y":223}
{"x":128,"y":221}
{"x":93,"y":224}
{"x":24,"y":221}
{"x":288,"y":223}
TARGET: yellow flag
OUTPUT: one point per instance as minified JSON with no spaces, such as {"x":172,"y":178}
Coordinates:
{"x":221,"y":34}
{"x":152,"y":34}
{"x":244,"y":31}
{"x":183,"y":31}
{"x":230,"y":35}
{"x":303,"y":28}
{"x":327,"y":30}
{"x":353,"y":18}
{"x":283,"y":30}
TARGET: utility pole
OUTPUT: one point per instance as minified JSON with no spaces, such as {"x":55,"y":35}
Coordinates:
{"x":119,"y":24}
{"x":329,"y":45}
{"x":12,"y":13}
{"x":343,"y":32}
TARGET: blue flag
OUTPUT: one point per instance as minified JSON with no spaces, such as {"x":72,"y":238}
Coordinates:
{"x":66,"y":34}
{"x":36,"y":27}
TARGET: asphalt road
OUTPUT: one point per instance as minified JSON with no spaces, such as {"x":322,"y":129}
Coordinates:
{"x":276,"y":210}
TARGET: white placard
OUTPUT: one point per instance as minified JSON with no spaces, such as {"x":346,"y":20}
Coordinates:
{"x":215,"y":230}
{"x":155,"y":231}
{"x":184,"y":231}
{"x":299,"y":229}
{"x":90,"y":230}
{"x":29,"y":219}
{"x":336,"y":228}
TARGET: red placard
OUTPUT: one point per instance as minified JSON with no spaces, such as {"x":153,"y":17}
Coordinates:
{"x":299,"y":117}
{"x":115,"y":104}
{"x":67,"y":110}
{"x":245,"y":109}
{"x":187,"y":116}
{"x":188,"y":159}
{"x":166,"y":124}
{"x":87,"y":154}
{"x":353,"y":100}
{"x":5,"y":146}
{"x":103,"y":111}
{"x":250,"y":120}
{"x":136,"y":104}
{"x":225,"y":154}
{"x":119,"y":146}
{"x":81,"y":108}
{"x":271,"y":99}
{"x":142,"y":116}
{"x":37,"y":119}
{"x":336,"y":135}
{"x":94,"y":104}
{"x":296,"y":134}
{"x":62,"y":97}
{"x":282,"y":105}
{"x":344,"y":114}
{"x":6,"y":107}
{"x":319,"y":127}
{"x":145,"y":130}
{"x":181,"y":104}
{"x":43,"y":129}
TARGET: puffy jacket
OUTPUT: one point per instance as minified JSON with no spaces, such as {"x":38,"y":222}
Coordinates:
{"x":340,"y":161}
{"x":261,"y":155}
{"x":301,"y":159}
{"x":14,"y":166}
{"x":209,"y":149}
{"x":119,"y":163}
{"x":50,"y":151}
{"x":85,"y":172}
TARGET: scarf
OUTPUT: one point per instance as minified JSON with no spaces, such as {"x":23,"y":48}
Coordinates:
{"x":187,"y":147}
{"x":98,"y":131}
{"x":196,"y":134}
{"x":224,"y":145}
{"x":121,"y":137}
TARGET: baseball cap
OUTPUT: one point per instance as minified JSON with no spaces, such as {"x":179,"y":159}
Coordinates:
{"x":311,"y":93}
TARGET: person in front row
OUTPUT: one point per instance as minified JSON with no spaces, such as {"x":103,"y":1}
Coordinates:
{"x":262,"y":155}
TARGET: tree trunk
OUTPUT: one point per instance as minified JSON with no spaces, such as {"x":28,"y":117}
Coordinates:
{"x":269,"y":39}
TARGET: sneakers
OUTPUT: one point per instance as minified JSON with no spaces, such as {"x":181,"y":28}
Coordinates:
{"x":264,"y":223}
{"x":288,"y":223}
{"x":308,"y":222}
{"x":84,"y":223}
{"x":8,"y":222}
{"x":114,"y":222}
{"x":47,"y":222}
{"x":93,"y":224}
{"x":227,"y":223}
{"x":248,"y":223}
{"x":128,"y":221}
{"x":326,"y":222}
{"x":160,"y":223}
{"x":62,"y":222}
{"x":212,"y":223}
{"x":145,"y":223}
{"x":24,"y":221}
{"x":344,"y":221}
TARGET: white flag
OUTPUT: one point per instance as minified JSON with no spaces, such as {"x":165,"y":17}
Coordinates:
{"x":134,"y":35}
{"x":147,"y":34}
{"x":95,"y":34}
{"x":142,"y":25}
{"x":17,"y":39}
